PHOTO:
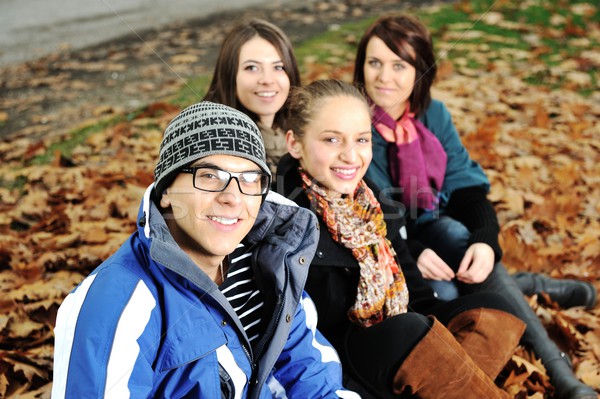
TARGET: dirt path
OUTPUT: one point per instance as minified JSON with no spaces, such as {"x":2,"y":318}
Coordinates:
{"x":31,"y":29}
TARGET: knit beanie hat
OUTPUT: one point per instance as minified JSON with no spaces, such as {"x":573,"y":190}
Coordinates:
{"x":205,"y":129}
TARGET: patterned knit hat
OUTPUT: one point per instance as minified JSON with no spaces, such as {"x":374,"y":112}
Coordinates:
{"x":207,"y":129}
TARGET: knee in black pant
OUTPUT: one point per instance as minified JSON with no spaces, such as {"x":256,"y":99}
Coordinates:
{"x":375,"y":353}
{"x":481,"y":299}
{"x":493,"y":300}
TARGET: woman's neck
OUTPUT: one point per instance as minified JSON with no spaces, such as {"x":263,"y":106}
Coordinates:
{"x":267,"y":120}
{"x":396,"y":112}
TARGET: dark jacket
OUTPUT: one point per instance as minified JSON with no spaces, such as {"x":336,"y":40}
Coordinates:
{"x":334,"y":272}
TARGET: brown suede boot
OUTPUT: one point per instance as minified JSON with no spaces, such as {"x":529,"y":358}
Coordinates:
{"x":489,"y":336}
{"x":438,"y":367}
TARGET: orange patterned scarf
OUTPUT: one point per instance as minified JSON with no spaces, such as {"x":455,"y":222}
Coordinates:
{"x":357,"y":223}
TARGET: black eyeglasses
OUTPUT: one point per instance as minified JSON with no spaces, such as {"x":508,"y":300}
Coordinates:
{"x":216,"y":180}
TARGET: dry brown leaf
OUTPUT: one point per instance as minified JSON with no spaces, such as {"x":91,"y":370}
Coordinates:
{"x":53,"y":287}
{"x":512,"y":203}
{"x":3,"y":385}
{"x":20,"y":326}
{"x":41,"y":393}
{"x":28,"y":370}
{"x":589,"y":372}
{"x":4,"y":319}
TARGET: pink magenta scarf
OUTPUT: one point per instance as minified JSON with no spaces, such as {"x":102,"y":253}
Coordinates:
{"x":417,"y":162}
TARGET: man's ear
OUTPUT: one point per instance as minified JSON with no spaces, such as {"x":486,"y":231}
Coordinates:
{"x":293,"y":144}
{"x":165,"y":201}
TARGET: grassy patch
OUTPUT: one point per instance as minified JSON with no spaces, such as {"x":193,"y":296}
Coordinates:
{"x":332,"y":43}
{"x":193,"y":91}
{"x":190,"y":94}
{"x":548,"y":25}
{"x":77,"y":137}
{"x":18,"y":183}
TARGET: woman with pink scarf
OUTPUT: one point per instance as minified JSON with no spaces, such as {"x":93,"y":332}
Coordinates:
{"x":420,"y":163}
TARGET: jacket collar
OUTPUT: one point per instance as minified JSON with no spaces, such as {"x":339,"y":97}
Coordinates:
{"x":288,"y":181}
{"x":280,"y":222}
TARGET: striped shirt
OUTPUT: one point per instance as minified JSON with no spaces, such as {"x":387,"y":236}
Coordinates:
{"x":243,"y":294}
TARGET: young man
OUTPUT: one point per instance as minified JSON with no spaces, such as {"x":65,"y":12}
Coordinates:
{"x":205,"y":299}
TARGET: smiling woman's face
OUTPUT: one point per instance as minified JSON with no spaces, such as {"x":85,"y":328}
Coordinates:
{"x":335,"y":148}
{"x":262,"y":84}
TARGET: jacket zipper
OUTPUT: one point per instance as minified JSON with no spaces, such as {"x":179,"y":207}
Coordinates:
{"x":270,"y":332}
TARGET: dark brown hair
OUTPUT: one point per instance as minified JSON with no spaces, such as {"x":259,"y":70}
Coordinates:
{"x":305,"y":101}
{"x":223,"y":89}
{"x":401,"y":33}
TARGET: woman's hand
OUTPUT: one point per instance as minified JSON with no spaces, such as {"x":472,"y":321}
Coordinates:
{"x":433,"y":267}
{"x":477,"y":264}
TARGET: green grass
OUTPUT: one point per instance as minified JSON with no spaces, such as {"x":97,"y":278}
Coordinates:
{"x":77,"y":137}
{"x":334,"y":46}
{"x":193,"y":91}
{"x":450,"y":16}
{"x":332,"y":43}
{"x":18,"y":183}
{"x":553,"y":34}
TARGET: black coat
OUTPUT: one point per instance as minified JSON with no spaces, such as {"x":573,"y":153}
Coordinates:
{"x":334,"y":272}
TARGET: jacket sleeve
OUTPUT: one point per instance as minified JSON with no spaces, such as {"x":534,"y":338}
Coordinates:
{"x":461,"y":170}
{"x":308,"y":366}
{"x":464,"y":193}
{"x":471,"y":207}
{"x":415,"y":247}
{"x":97,"y":352}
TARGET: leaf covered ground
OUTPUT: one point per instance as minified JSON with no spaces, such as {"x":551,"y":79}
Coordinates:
{"x":521,"y":82}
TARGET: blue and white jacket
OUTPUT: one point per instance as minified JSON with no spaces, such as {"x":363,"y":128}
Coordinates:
{"x":148,"y":323}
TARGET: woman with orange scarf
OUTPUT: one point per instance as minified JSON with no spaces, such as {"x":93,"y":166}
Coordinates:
{"x":393,"y":336}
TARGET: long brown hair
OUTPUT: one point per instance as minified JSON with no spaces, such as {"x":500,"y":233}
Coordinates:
{"x":401,"y":33}
{"x":223,"y":89}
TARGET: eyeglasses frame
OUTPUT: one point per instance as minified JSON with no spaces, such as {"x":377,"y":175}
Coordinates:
{"x":232,"y":175}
